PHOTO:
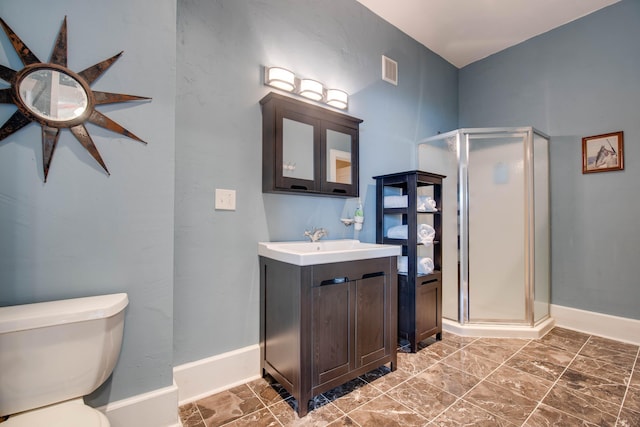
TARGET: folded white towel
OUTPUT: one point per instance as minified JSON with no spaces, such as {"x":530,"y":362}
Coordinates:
{"x":395,"y":201}
{"x":426,"y":233}
{"x":425,"y":265}
{"x":426,"y":204}
{"x":398,"y":232}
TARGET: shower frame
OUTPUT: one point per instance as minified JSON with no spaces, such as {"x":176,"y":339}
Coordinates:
{"x":463,"y":138}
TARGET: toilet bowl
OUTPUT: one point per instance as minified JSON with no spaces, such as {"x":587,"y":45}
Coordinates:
{"x":54,"y":353}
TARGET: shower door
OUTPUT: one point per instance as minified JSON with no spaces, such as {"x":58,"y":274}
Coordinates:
{"x":496,"y":228}
{"x":496,"y":252}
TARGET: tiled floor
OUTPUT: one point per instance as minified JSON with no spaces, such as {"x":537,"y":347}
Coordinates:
{"x":563,"y":379}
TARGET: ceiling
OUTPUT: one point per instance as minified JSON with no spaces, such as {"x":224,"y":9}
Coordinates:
{"x":464,"y":31}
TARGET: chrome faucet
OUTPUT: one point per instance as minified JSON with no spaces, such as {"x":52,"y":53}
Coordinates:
{"x":316,"y":234}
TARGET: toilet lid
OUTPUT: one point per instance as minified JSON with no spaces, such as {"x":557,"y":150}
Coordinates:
{"x":72,"y":413}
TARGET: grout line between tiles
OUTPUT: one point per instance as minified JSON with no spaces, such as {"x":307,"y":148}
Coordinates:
{"x":624,"y":398}
{"x":556,"y":383}
{"x":487,"y":376}
{"x":458,"y":398}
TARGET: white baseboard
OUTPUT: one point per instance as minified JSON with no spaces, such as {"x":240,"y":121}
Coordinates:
{"x":157,"y":408}
{"x":604,"y":325}
{"x":204,"y":377}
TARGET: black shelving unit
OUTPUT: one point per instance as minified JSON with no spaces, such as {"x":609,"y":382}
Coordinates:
{"x":419,"y":295}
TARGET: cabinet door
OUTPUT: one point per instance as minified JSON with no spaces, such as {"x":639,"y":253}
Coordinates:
{"x":372,"y":341}
{"x":296,"y":150}
{"x":339,"y":165}
{"x":332,"y":317}
{"x":428,"y":307}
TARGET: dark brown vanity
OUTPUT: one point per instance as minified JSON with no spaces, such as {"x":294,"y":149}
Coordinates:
{"x":325,"y":324}
{"x":308,"y":149}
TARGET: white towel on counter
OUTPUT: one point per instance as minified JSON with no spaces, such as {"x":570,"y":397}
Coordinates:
{"x":426,"y":204}
{"x":396,"y":201}
{"x":426,"y":233}
{"x":425,"y":265}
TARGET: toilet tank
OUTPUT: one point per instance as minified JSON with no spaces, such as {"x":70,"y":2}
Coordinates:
{"x":58,"y":350}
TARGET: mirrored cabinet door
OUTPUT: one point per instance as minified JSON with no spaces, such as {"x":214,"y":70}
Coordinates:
{"x":296,"y":151}
{"x":340,"y":148}
{"x":308,"y":149}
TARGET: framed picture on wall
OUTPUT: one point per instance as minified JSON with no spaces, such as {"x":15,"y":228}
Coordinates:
{"x":602,"y":153}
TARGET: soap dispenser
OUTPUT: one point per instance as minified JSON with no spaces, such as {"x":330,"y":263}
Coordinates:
{"x":358,"y":216}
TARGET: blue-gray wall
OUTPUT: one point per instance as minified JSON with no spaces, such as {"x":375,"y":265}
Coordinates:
{"x":578,"y":80}
{"x":222,"y":47}
{"x":83,"y":232}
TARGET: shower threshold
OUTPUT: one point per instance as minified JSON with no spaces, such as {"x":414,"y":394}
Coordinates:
{"x":499,"y":330}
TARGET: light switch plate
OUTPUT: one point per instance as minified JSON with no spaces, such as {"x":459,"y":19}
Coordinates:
{"x":225,"y":199}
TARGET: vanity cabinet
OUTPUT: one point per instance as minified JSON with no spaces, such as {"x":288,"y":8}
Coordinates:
{"x":419,"y":294}
{"x":308,"y":149}
{"x":323,"y":325}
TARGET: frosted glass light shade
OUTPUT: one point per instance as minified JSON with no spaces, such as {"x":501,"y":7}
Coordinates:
{"x":311,"y":89}
{"x":337,"y":98}
{"x":280,"y":78}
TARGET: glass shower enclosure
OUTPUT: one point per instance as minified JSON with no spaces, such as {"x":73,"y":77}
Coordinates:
{"x":496,"y":246}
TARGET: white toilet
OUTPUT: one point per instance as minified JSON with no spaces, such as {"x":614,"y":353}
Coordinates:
{"x":52,"y":354}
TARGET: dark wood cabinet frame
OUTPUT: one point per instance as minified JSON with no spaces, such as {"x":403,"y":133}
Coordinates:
{"x":276,"y":108}
{"x":419,"y":296}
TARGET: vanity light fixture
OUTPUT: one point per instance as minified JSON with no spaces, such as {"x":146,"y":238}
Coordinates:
{"x":283,"y":79}
{"x":337,"y":98}
{"x":311,"y":89}
{"x":280,"y":78}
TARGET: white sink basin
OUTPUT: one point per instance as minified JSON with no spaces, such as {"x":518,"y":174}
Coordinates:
{"x":325,"y":251}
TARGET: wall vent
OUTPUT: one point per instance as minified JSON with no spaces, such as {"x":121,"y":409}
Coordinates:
{"x":389,"y":70}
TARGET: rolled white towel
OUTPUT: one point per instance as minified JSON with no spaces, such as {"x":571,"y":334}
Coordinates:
{"x":426,"y":204}
{"x":426,"y":234}
{"x":395,"y":201}
{"x":425,"y":265}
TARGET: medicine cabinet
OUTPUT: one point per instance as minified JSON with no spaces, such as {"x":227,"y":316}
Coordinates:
{"x":307,"y":149}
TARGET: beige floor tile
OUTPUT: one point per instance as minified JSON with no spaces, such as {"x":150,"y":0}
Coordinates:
{"x":229,"y":405}
{"x":350,"y":397}
{"x":582,"y":406}
{"x":190,"y":416}
{"x":565,"y":339}
{"x":520,"y":382}
{"x":463,"y":413}
{"x":318,"y":417}
{"x":422,"y":397}
{"x":449,"y":379}
{"x":471,"y":363}
{"x":501,"y":402}
{"x":632,"y":400}
{"x":598,"y":368}
{"x":491,"y":350}
{"x":261,"y":418}
{"x":546,"y":416}
{"x":384,"y":411}
{"x":593,"y":386}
